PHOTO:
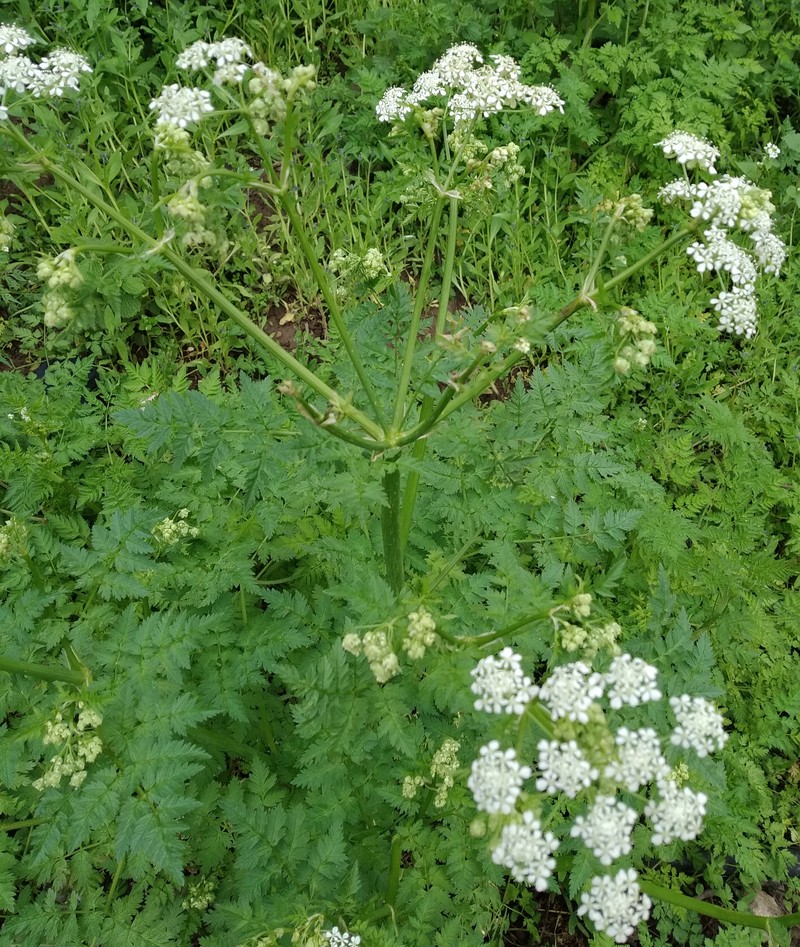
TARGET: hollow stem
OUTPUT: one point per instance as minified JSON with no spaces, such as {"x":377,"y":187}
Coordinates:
{"x":390,"y":528}
{"x":42,"y":672}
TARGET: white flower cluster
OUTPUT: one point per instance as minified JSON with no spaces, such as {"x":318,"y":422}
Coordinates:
{"x":338,"y":938}
{"x":500,"y":685}
{"x":615,"y":904}
{"x":727,"y":204}
{"x":690,"y":151}
{"x":228,"y":55}
{"x":78,"y":746}
{"x":52,"y":77}
{"x":599,"y":763}
{"x":170,"y":531}
{"x":475,"y":88}
{"x":699,"y":725}
{"x":526,"y":851}
{"x":496,"y":779}
{"x":181,"y":105}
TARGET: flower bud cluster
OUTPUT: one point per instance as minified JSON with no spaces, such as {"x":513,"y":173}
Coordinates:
{"x":376,"y":646}
{"x":199,"y":895}
{"x":187,"y":206}
{"x":605,"y":767}
{"x":637,"y":335}
{"x":58,"y":311}
{"x":61,"y":272}
{"x":629,"y":209}
{"x":421,"y":634}
{"x":473,"y":87}
{"x":71,"y":731}
{"x":444,"y":768}
{"x":352,"y":267}
{"x":170,"y":531}
{"x":14,"y":534}
{"x":728,"y":204}
{"x":182,"y":161}
{"x":7,"y":230}
{"x":49,"y":78}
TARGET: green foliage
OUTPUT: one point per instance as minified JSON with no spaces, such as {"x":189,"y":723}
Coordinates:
{"x":184,"y":553}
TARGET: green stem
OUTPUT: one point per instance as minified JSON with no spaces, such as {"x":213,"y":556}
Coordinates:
{"x":24,"y":824}
{"x":416,"y":314}
{"x":588,"y":283}
{"x":201,"y":282}
{"x":42,"y":672}
{"x":418,"y":451}
{"x":490,"y":636}
{"x":331,"y":303}
{"x":742,"y":918}
{"x":390,"y":528}
{"x":286,"y":198}
{"x":395,"y":857}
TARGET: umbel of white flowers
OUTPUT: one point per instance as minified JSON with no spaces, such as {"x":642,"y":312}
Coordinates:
{"x":472,"y":87}
{"x":728,"y":204}
{"x":49,"y":78}
{"x":604,"y":768}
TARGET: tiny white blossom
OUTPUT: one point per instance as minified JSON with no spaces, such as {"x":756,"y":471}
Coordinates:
{"x":500,"y":684}
{"x":771,"y":150}
{"x":526,"y":851}
{"x":631,"y":681}
{"x":181,"y":106}
{"x":615,"y":904}
{"x":496,"y":779}
{"x":570,"y":691}
{"x":13,"y":38}
{"x":393,"y":106}
{"x":59,"y":71}
{"x":678,"y":813}
{"x":338,"y":938}
{"x":699,"y":725}
{"x":690,"y":151}
{"x":564,"y":768}
{"x":606,"y":828}
{"x":639,"y":759}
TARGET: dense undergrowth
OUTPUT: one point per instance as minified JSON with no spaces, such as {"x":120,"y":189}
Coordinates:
{"x":184,"y":548}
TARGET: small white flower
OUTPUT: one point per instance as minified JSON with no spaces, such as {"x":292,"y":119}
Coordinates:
{"x":771,"y":150}
{"x":615,"y":904}
{"x":500,"y":684}
{"x":690,"y":151}
{"x":606,"y":828}
{"x":496,"y":779}
{"x":393,"y":106}
{"x":699,"y":725}
{"x":338,"y":938}
{"x":181,"y":106}
{"x":526,"y":851}
{"x":570,"y":691}
{"x":13,"y":38}
{"x":61,"y":70}
{"x":639,"y":759}
{"x":631,"y":681}
{"x":564,"y":768}
{"x":678,"y":813}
